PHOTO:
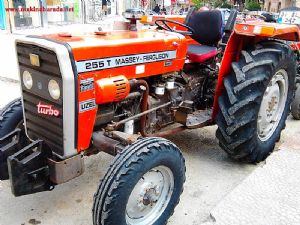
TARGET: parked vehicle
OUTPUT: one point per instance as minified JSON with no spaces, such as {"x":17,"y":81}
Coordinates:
{"x":134,"y":12}
{"x":122,"y":92}
{"x":291,"y":15}
{"x":150,"y":12}
{"x":225,"y":14}
{"x":137,"y":13}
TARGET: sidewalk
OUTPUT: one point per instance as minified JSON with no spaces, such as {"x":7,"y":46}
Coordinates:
{"x":270,"y":195}
{"x":9,"y":91}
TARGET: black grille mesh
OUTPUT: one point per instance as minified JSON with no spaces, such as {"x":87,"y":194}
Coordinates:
{"x":39,"y":126}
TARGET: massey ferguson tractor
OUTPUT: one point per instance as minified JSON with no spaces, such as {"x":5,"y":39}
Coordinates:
{"x":121,"y":92}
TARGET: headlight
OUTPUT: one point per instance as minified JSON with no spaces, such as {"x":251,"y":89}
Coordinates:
{"x":27,"y":79}
{"x":54,"y":90}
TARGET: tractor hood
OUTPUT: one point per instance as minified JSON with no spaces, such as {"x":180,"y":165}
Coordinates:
{"x":99,"y":45}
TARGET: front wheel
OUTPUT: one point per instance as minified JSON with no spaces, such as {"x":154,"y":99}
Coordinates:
{"x":11,"y":117}
{"x":142,"y":186}
{"x":256,"y":101}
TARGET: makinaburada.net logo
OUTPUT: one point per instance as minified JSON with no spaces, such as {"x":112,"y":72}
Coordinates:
{"x":40,"y":9}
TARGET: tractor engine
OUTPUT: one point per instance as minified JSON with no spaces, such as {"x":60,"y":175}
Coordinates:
{"x":192,"y":89}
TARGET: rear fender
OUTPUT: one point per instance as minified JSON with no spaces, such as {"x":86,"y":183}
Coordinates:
{"x":248,"y":35}
{"x":268,"y":30}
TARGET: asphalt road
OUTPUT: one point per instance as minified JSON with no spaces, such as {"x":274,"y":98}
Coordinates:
{"x":211,"y":175}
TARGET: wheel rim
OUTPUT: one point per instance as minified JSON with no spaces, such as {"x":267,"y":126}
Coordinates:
{"x":272,"y":105}
{"x":150,"y":196}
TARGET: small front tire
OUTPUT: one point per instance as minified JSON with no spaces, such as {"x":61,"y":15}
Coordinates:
{"x":142,"y":186}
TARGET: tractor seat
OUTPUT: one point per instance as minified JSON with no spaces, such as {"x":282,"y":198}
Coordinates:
{"x":201,"y":53}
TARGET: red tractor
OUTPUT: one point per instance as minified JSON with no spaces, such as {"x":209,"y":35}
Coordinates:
{"x":121,"y":92}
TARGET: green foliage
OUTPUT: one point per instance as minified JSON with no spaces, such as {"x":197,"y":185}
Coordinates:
{"x":226,"y":5}
{"x":221,"y":4}
{"x":252,"y":5}
{"x":215,"y":3}
{"x":198,"y":3}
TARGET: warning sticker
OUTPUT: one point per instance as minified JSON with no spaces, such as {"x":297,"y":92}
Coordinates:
{"x":87,"y":105}
{"x":119,"y":61}
{"x":87,"y":84}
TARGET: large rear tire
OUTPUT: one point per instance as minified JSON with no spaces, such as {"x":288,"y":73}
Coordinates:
{"x":295,"y":108}
{"x":142,"y":186}
{"x":255,"y":101}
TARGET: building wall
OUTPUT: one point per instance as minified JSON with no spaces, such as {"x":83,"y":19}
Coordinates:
{"x":276,"y":5}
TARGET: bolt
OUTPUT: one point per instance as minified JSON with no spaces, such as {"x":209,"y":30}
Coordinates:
{"x":146,"y":200}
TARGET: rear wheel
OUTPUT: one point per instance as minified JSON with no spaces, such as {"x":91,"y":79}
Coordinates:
{"x":295,"y":108}
{"x":256,"y":100}
{"x":142,"y":186}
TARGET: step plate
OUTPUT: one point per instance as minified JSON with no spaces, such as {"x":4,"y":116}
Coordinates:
{"x":199,"y":118}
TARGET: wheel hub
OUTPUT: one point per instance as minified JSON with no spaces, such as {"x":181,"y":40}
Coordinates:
{"x":150,"y":196}
{"x":272,"y":100}
{"x":272,"y":105}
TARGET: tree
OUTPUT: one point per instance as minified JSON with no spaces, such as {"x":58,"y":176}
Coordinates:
{"x":198,"y":3}
{"x":221,"y":4}
{"x":252,"y":5}
{"x":215,"y":3}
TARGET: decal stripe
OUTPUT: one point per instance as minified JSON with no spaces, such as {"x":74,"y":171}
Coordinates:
{"x":119,"y":61}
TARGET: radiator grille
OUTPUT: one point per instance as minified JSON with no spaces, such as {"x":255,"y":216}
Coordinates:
{"x":39,"y":126}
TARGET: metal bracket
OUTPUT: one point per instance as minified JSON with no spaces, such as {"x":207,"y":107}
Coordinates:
{"x":28,"y":169}
{"x":9,"y":145}
{"x":63,"y":171}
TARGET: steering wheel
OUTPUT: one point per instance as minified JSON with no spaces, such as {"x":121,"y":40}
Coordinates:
{"x":164,"y":25}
